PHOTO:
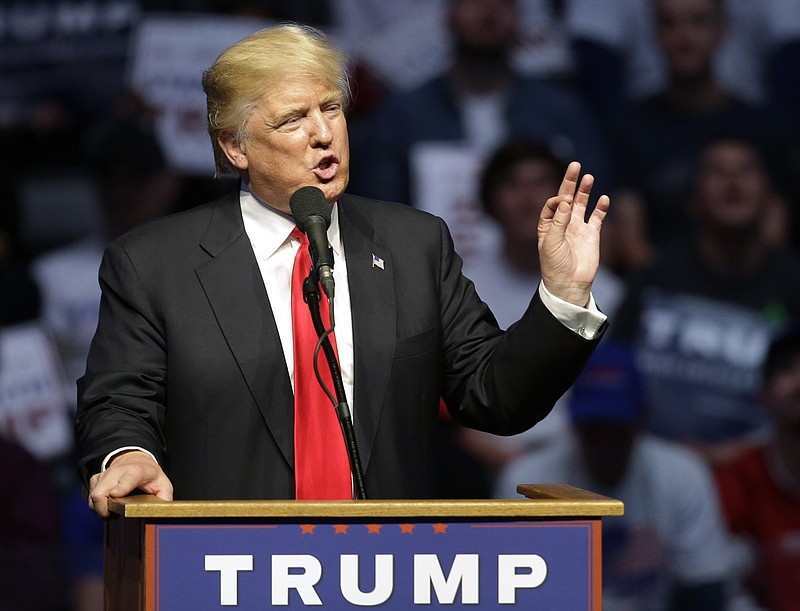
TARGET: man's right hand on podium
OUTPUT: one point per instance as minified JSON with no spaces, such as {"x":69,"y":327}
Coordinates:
{"x":128,"y":471}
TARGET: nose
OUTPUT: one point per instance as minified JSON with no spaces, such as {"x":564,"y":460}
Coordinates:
{"x":321,"y":133}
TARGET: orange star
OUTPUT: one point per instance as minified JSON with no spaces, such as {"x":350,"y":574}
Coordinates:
{"x":340,"y":529}
{"x":407,"y":529}
{"x":439,"y":529}
{"x":308,"y":529}
{"x":374,"y":529}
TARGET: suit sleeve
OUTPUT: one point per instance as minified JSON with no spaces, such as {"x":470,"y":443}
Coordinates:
{"x":122,"y":396}
{"x":502,"y":382}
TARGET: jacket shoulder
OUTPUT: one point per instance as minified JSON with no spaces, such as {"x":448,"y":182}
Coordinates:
{"x":379,"y":212}
{"x":180,"y":227}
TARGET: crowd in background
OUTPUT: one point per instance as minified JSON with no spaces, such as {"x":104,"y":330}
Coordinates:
{"x":686,"y":111}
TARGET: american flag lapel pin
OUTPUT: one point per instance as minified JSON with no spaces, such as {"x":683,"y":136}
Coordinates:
{"x":377,"y":261}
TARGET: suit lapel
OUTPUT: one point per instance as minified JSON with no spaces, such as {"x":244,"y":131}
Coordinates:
{"x":232,"y":282}
{"x":374,"y":316}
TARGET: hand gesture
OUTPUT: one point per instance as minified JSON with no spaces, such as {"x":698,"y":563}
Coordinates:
{"x":569,"y":245}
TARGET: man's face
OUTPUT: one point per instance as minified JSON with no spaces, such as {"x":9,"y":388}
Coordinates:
{"x":296,"y":137}
{"x":689,"y":32}
{"x":518,"y":199}
{"x":732,"y":187}
{"x":484,"y":25}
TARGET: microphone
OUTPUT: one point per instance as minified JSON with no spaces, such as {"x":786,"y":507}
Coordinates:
{"x":312,"y":214}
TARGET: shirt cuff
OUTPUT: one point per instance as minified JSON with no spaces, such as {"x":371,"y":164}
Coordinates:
{"x":111,"y":455}
{"x":586,"y":322}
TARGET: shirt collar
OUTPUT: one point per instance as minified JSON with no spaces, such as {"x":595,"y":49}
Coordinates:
{"x":268,"y":228}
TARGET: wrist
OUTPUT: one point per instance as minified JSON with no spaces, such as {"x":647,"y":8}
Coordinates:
{"x":575,"y":293}
{"x":126,"y":451}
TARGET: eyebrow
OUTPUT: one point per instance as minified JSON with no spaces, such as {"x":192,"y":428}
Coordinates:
{"x":332,"y":96}
{"x":289,"y":111}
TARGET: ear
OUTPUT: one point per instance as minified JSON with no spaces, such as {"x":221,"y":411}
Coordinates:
{"x":234,"y":150}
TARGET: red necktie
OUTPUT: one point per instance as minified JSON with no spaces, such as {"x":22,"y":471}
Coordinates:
{"x":321,"y":466}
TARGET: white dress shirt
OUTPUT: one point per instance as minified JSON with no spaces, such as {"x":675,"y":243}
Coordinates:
{"x":268,"y":231}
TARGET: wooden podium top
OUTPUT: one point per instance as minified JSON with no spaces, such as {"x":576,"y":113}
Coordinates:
{"x":543,"y":500}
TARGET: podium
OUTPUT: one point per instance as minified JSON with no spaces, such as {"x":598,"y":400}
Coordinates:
{"x":540,"y":552}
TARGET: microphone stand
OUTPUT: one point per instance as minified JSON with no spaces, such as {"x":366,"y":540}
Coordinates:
{"x":311,"y":295}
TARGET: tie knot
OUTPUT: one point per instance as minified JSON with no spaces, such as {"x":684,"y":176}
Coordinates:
{"x":299,"y":235}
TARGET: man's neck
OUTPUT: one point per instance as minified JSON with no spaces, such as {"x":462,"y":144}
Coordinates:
{"x":697,"y":94}
{"x":480,"y":74}
{"x":733,"y":253}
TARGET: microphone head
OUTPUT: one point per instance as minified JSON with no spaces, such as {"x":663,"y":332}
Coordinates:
{"x":308,"y":202}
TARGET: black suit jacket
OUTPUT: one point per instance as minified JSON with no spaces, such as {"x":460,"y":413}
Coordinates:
{"x":187,"y":361}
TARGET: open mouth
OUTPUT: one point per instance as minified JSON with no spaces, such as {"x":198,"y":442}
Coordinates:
{"x":327,"y":168}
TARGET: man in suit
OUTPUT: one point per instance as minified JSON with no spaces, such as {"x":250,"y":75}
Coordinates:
{"x":189,"y":384}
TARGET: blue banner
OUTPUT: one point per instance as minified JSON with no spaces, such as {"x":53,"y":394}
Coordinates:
{"x":389,"y":565}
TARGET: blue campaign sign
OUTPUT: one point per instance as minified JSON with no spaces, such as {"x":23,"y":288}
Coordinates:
{"x":388,"y":565}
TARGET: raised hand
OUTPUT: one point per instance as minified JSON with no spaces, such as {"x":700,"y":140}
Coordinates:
{"x":569,"y":246}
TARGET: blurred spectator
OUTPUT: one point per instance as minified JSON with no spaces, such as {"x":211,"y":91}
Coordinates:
{"x":478,"y":101}
{"x":30,"y":570}
{"x":133,"y":185}
{"x":669,"y":550}
{"x":404,"y":43}
{"x":760,"y":490}
{"x":32,"y":419}
{"x":701,"y":315}
{"x":516,"y":181}
{"x":617,"y":55}
{"x":659,"y":136}
{"x":19,"y":299}
{"x":36,"y":396}
{"x":32,"y":399}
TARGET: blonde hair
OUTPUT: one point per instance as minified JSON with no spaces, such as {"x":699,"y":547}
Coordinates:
{"x":246,"y":71}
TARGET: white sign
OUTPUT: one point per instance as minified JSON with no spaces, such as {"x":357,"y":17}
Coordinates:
{"x":168,"y":58}
{"x":445,"y":177}
{"x":33,"y":405}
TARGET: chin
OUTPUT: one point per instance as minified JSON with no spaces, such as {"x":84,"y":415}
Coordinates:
{"x":333,"y":190}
